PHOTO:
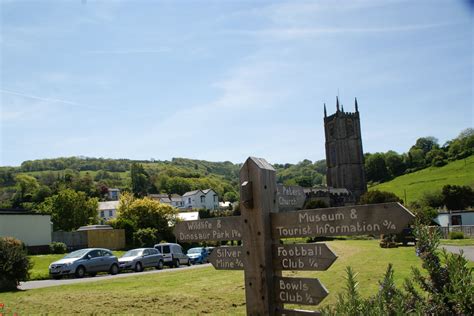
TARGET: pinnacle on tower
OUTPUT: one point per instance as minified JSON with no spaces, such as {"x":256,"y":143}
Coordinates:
{"x":357,"y":108}
{"x":342,"y":107}
{"x":325,"y":113}
{"x":337,"y":104}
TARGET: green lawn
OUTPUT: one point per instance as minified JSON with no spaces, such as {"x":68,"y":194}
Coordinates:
{"x":458,"y":242}
{"x":459,"y":172}
{"x":205,"y":290}
{"x":42,"y":262}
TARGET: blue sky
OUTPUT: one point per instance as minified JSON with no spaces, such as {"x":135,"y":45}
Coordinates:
{"x":224,"y":80}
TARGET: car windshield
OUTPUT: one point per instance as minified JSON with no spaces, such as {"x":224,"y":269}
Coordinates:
{"x":133,"y":253}
{"x":76,"y":254}
{"x":195,"y":250}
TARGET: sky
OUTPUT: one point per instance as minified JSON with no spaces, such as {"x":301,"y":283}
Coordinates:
{"x":224,"y":80}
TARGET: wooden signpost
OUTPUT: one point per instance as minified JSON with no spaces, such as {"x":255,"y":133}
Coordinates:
{"x":261,"y":226}
{"x":290,"y":198}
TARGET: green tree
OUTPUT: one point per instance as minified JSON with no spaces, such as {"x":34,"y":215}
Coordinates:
{"x":457,"y":197}
{"x":426,"y":144}
{"x":70,"y":209}
{"x":140,"y":181}
{"x":147,"y":213}
{"x":395,"y":164}
{"x":231,"y":196}
{"x":26,"y":187}
{"x":375,"y":168}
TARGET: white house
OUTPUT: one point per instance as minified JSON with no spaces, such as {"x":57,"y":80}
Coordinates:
{"x":107,"y":210}
{"x":31,"y":228}
{"x":206,"y":199}
{"x":455,"y":218}
{"x":161,"y":197}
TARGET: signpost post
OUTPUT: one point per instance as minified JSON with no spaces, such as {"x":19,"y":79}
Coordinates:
{"x":261,"y":226}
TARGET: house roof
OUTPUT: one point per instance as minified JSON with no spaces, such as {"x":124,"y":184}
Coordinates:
{"x":165,"y":200}
{"x":109,"y":205}
{"x":191,"y":193}
{"x":16,"y":211}
{"x":94,"y":227}
{"x":158,"y":196}
{"x":176,"y":198}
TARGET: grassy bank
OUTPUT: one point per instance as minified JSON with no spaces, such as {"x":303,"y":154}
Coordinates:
{"x":459,"y":172}
{"x":206,"y":290}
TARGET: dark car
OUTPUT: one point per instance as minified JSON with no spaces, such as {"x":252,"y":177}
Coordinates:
{"x":141,"y":258}
{"x":85,"y":261}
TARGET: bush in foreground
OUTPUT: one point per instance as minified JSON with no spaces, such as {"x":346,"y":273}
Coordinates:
{"x":14,"y":263}
{"x":446,"y":287}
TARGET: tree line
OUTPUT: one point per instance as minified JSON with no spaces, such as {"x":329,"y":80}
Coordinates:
{"x":426,"y":152}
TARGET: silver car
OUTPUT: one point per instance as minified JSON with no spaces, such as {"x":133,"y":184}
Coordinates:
{"x":141,"y":258}
{"x":85,"y":261}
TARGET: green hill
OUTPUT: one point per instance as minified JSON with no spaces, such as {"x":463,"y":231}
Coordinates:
{"x":460,"y":172}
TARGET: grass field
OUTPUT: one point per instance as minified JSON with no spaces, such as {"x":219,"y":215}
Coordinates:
{"x":205,"y":290}
{"x":459,"y":172}
{"x":41,"y":264}
{"x":458,"y":242}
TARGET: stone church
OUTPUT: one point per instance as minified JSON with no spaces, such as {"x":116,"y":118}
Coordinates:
{"x":344,"y":154}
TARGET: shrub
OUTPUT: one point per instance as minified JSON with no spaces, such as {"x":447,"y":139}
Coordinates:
{"x":456,"y":235}
{"x":446,"y":286}
{"x":14,"y":263}
{"x":57,"y":247}
{"x":145,"y":237}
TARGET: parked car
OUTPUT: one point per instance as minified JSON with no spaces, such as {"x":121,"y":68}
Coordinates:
{"x":209,"y":250}
{"x":85,"y":261}
{"x":198,"y":255}
{"x":173,"y":255}
{"x":141,"y":258}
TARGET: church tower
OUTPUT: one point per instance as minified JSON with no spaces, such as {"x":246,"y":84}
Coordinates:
{"x":344,"y":154}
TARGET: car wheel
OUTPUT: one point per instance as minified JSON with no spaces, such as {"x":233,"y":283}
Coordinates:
{"x":176,"y":263}
{"x":138,"y":267}
{"x":93,"y":274}
{"x":80,"y":272}
{"x":189,"y":263}
{"x":114,"y":269}
{"x":160,"y":265}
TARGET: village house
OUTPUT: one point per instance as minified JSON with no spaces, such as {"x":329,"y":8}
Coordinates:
{"x":107,"y":210}
{"x":206,"y":199}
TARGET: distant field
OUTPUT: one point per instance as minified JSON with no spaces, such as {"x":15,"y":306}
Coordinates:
{"x":205,"y":290}
{"x":459,"y":172}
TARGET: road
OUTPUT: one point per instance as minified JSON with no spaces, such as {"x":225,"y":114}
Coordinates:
{"x":468,"y":250}
{"x":101,"y":277}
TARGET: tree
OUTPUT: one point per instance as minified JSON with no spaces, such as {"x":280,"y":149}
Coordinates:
{"x":70,"y":209}
{"x":140,"y":181}
{"x":376,"y":196}
{"x":231,"y":196}
{"x":457,"y":197}
{"x":375,"y":168}
{"x":426,"y":143}
{"x":395,"y":164}
{"x":147,"y":213}
{"x":26,"y":187}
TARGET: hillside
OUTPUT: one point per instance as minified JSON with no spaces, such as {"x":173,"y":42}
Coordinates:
{"x":459,"y":172}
